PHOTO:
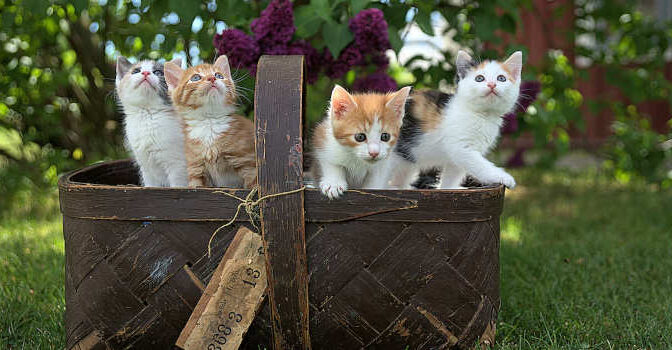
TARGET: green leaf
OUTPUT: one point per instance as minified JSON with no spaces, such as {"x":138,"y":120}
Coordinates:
{"x":337,"y":36}
{"x":79,"y":5}
{"x":395,"y":39}
{"x":396,"y":15}
{"x":307,"y":24}
{"x":186,"y":12}
{"x":322,"y":9}
{"x":358,"y":5}
{"x":422,"y":18}
{"x":485,"y":25}
{"x":508,"y":23}
{"x":38,"y":7}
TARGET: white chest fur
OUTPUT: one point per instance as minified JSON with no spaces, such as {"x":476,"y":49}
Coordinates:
{"x":356,"y":169}
{"x":155,"y":137}
{"x":207,"y":132}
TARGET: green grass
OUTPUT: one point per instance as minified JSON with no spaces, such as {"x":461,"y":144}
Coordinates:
{"x":32,"y":275}
{"x":586,"y":264}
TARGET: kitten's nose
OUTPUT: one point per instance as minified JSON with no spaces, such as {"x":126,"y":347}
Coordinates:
{"x":212,"y":79}
{"x":146,"y":73}
{"x":374,"y":150}
{"x":492,"y":85}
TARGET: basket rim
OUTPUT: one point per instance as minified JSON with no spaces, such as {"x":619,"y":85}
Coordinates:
{"x":137,"y":203}
{"x":65,"y":182}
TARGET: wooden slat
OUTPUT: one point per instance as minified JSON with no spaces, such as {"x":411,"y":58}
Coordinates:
{"x":135,"y":203}
{"x":231,"y":299}
{"x":407,"y":205}
{"x":278,"y":113}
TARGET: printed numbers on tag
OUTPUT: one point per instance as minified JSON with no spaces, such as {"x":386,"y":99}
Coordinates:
{"x":219,"y":338}
{"x":235,"y":316}
{"x":253,"y":274}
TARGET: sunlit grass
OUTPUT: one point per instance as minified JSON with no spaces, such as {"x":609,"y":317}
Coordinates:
{"x":510,"y":230}
{"x":585,"y":265}
{"x":32,"y":261}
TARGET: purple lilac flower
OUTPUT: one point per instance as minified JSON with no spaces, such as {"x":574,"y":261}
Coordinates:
{"x":275,"y":25}
{"x":375,"y":82}
{"x":240,"y":48}
{"x":528,"y":94}
{"x":380,"y":61}
{"x":517,"y":160}
{"x":311,"y":56}
{"x":281,"y":49}
{"x":370,"y":30}
{"x":510,"y":123}
{"x":348,"y":58}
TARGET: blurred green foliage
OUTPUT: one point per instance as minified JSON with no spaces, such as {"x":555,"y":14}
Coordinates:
{"x":636,"y":150}
{"x":57,"y":107}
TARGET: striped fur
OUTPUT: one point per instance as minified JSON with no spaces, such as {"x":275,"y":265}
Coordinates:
{"x":219,"y":144}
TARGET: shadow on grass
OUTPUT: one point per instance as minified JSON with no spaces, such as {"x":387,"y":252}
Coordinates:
{"x":585,"y":264}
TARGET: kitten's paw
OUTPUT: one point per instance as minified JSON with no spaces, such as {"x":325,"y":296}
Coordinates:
{"x":501,"y":177}
{"x":333,"y":190}
{"x":508,"y":181}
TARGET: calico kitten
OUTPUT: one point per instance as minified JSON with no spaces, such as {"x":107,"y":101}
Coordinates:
{"x":352,"y":144}
{"x":219,"y":144}
{"x":153,"y":130}
{"x":455,"y":132}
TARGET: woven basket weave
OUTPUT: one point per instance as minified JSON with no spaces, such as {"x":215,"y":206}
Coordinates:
{"x":387,"y":269}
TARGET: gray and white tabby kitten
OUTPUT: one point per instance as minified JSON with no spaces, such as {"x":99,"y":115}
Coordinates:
{"x":154,"y":133}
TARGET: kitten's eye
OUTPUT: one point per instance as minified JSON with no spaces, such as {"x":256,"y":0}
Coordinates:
{"x":501,"y":78}
{"x":385,"y":137}
{"x":158,"y":73}
{"x":195,"y":77}
{"x":219,"y":76}
{"x":360,"y":137}
{"x":136,"y":70}
{"x":479,"y":78}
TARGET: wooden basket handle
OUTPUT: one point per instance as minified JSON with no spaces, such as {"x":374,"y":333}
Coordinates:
{"x":278,"y":116}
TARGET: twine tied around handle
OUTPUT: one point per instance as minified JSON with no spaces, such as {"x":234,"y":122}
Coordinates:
{"x":251,"y":208}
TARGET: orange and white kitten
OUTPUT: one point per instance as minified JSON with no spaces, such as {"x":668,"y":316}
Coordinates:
{"x":352,"y":144}
{"x":219,"y":144}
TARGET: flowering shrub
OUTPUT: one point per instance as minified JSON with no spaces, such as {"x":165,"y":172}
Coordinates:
{"x":272,"y":34}
{"x":528,"y":93}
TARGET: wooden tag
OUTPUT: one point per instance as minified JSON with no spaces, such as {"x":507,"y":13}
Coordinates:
{"x":231,"y":299}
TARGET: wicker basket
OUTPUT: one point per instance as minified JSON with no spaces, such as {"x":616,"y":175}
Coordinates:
{"x":382,"y":269}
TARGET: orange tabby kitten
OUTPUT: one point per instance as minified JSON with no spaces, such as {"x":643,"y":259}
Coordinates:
{"x":219,"y":144}
{"x":353,"y":143}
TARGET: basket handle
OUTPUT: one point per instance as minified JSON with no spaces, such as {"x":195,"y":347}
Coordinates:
{"x":278,"y":116}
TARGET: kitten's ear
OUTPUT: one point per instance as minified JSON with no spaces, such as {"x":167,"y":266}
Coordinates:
{"x":177,"y":61}
{"x":397,"y":101}
{"x":514,"y":64}
{"x":222,"y":63}
{"x":463,"y":63}
{"x":341,"y":102}
{"x":173,"y":73}
{"x":123,"y":65}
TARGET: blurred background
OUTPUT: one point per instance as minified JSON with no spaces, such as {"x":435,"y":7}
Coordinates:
{"x":594,"y":146}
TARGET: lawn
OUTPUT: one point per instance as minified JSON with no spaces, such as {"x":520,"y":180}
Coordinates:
{"x":585,"y":265}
